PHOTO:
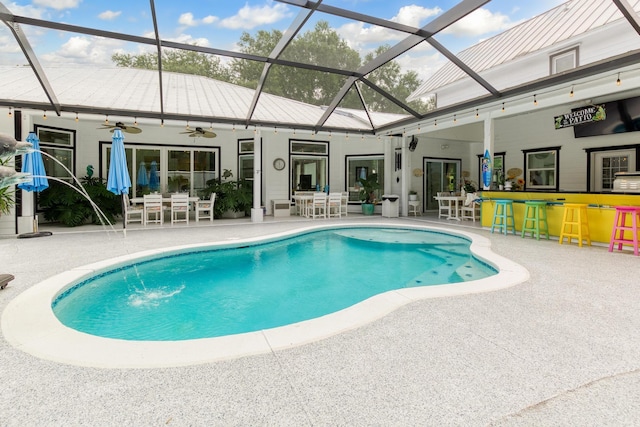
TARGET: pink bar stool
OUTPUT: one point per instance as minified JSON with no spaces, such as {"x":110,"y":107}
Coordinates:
{"x":620,"y":226}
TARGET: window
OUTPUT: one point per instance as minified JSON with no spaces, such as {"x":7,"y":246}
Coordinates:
{"x":363,"y":167}
{"x":59,"y":144}
{"x":497,"y":169}
{"x":564,"y":61}
{"x":607,"y":163}
{"x":309,"y":165}
{"x":245,"y":159}
{"x":541,"y":169}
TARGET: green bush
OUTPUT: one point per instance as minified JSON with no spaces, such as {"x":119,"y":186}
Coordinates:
{"x":231,"y":195}
{"x":66,"y":205}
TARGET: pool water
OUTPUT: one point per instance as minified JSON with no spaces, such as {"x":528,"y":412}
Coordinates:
{"x":216,"y":292}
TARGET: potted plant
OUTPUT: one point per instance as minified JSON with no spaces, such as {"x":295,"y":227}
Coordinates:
{"x":233,"y":198}
{"x":413,"y":195}
{"x":6,"y":195}
{"x":369,"y":185}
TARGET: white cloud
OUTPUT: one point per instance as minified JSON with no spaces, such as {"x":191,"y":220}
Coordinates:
{"x":109,"y":15}
{"x":84,"y":50}
{"x":189,"y":39}
{"x":251,"y":16}
{"x":187,"y":20}
{"x":425,"y":65}
{"x":482,"y":21}
{"x":30,"y":11}
{"x":58,"y":4}
{"x":358,"y":34}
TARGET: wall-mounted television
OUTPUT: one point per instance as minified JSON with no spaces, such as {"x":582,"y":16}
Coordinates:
{"x":305,"y":182}
{"x":623,"y":115}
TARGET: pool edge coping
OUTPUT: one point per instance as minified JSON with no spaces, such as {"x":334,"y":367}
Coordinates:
{"x":29,"y":324}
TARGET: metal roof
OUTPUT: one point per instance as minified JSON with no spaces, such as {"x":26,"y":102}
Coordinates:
{"x":561,"y":23}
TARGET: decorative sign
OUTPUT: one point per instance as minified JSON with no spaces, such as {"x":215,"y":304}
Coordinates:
{"x":592,"y":113}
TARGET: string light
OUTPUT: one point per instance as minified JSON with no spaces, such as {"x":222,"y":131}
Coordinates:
{"x":435,"y":122}
{"x":77,"y":117}
{"x":347,"y":135}
{"x":135,"y":121}
{"x":571,"y":93}
{"x":211,"y":126}
{"x":535,"y":101}
{"x":503,"y":107}
{"x":10,"y":113}
{"x":329,"y":134}
{"x":454,"y":118}
{"x":44,"y":115}
{"x":275,"y":129}
{"x":188,"y":128}
{"x":618,"y":82}
{"x":477,"y":115}
{"x":161,"y":123}
{"x":106,"y":119}
{"x":234,"y":127}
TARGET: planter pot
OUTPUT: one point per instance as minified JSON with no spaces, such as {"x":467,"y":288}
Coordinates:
{"x":367,"y":208}
{"x":233,"y":214}
{"x":413,"y":197}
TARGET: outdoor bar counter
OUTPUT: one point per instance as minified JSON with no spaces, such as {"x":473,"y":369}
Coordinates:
{"x":600,"y":210}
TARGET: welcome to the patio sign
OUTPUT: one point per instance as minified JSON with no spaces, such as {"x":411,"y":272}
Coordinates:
{"x":591,"y":113}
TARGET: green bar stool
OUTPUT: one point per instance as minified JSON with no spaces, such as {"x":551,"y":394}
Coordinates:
{"x":535,"y":219}
{"x":575,"y":223}
{"x":503,"y":216}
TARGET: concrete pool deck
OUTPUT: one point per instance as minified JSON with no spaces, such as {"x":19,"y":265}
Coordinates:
{"x":562,"y":348}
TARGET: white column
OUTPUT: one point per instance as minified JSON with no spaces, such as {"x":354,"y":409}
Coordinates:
{"x":405,"y":176}
{"x":25,"y":221}
{"x":257,"y":214}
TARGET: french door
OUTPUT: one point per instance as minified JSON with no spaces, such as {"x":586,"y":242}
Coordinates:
{"x":440,"y":175}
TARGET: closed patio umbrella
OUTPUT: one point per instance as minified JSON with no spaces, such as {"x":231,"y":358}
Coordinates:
{"x":33,"y":165}
{"x":143,"y":179}
{"x":154,"y":180}
{"x":119,"y":181}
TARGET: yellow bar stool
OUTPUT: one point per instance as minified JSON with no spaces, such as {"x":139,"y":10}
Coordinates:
{"x":575,"y":223}
{"x":535,"y":219}
{"x":503,"y":216}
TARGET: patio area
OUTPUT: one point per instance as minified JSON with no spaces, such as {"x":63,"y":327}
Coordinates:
{"x":560,"y":349}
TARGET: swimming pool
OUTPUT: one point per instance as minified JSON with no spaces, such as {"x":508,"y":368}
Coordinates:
{"x":213,"y":292}
{"x":29,"y":324}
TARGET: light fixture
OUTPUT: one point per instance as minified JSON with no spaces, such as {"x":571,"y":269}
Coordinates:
{"x":77,"y":117}
{"x":329,"y":134}
{"x":347,"y":135}
{"x":44,"y":115}
{"x":255,"y":129}
{"x":535,"y":101}
{"x":454,"y":118}
{"x":294,"y":131}
{"x":275,"y":129}
{"x":188,"y":128}
{"x":618,"y":81}
{"x":10,"y":113}
{"x":211,"y":126}
{"x":161,"y":123}
{"x":403,"y":131}
{"x":419,"y":124}
{"x":477,"y":115}
{"x":571,"y":93}
{"x":435,"y":122}
{"x":135,"y":121}
{"x":362,"y":136}
{"x":503,"y":107}
{"x":106,"y":119}
{"x":234,"y":127}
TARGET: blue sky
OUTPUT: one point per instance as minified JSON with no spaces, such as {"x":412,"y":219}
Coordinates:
{"x":217,"y":23}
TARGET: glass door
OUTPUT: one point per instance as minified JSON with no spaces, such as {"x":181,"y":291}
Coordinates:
{"x":440,"y":175}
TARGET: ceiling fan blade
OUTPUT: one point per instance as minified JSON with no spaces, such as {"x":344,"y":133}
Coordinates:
{"x":209,"y":134}
{"x":132,"y":129}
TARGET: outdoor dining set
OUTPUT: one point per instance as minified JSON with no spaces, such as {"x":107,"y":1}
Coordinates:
{"x":150,"y":208}
{"x":314,"y":205}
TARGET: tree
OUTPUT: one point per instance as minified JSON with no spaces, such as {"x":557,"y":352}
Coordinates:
{"x":176,"y":60}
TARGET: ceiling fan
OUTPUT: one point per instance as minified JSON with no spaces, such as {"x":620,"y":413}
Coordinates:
{"x":120,"y":125}
{"x":199,"y":132}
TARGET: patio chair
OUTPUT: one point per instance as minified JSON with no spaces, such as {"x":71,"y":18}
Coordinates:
{"x":179,"y":207}
{"x":334,"y":205}
{"x":344,"y":203}
{"x":470,"y":209}
{"x":444,"y":208}
{"x":153,"y":206}
{"x":132,"y":213}
{"x":204,"y":208}
{"x":318,"y":206}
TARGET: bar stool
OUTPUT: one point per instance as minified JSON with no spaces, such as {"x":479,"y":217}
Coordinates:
{"x":619,"y":225}
{"x":535,"y":214}
{"x":502,"y":213}
{"x":575,"y":223}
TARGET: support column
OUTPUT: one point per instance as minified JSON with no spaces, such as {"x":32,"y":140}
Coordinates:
{"x":27,"y":216}
{"x":257,"y":214}
{"x":405,"y":176}
{"x":488,"y":141}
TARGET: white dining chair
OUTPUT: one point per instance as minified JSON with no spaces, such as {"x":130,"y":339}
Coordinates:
{"x":318,"y":206}
{"x":204,"y":208}
{"x":152,"y":205}
{"x":334,"y":205}
{"x":132,"y":213}
{"x":444,"y":207}
{"x":344,"y":203}
{"x":179,"y":207}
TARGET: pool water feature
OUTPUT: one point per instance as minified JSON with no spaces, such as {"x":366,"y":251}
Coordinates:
{"x":212,"y":292}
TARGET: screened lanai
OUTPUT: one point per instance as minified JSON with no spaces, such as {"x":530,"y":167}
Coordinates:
{"x":364,"y":67}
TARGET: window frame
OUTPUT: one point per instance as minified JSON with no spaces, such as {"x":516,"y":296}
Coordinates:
{"x":556,"y":169}
{"x":556,"y":56}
